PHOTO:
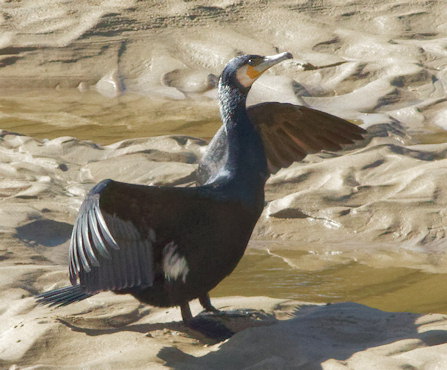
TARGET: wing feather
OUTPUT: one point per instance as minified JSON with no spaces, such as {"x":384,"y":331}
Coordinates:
{"x":290,"y":132}
{"x":308,"y":143}
{"x":74,"y":266}
{"x":80,"y":251}
{"x":97,"y":240}
{"x":86,"y":239}
{"x":104,"y":229}
{"x":106,"y":251}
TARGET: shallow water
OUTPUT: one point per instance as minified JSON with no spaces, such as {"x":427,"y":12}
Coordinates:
{"x":50,"y":114}
{"x":389,"y":289}
{"x":91,"y":116}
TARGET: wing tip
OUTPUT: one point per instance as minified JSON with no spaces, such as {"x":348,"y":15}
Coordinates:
{"x":63,"y":296}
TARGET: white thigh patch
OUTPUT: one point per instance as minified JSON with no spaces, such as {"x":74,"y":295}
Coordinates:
{"x":174,"y":265}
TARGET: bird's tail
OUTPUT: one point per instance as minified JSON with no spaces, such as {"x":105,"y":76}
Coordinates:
{"x":63,"y":296}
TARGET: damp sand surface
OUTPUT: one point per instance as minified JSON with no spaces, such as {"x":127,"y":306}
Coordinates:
{"x":92,"y":90}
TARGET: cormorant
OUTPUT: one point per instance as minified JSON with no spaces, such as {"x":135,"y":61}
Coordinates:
{"x":169,"y":245}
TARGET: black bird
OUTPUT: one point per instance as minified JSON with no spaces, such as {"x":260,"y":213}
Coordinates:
{"x":169,"y":245}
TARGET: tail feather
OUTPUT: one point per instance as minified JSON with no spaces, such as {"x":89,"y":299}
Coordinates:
{"x":63,"y":296}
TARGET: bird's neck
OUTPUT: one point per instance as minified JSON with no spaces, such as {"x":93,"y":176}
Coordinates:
{"x":245,"y":165}
{"x":232,"y":104}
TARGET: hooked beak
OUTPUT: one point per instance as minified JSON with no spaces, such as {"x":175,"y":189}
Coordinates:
{"x":270,"y":61}
{"x":248,"y":74}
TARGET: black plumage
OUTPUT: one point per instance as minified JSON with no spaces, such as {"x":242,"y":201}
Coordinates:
{"x":169,"y":245}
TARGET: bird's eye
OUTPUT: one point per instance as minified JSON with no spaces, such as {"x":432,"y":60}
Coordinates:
{"x":251,"y":62}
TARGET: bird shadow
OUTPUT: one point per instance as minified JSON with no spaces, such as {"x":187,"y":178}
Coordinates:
{"x":236,"y":320}
{"x":45,"y":232}
{"x":312,"y":336}
{"x":136,"y":328}
{"x":48,"y":238}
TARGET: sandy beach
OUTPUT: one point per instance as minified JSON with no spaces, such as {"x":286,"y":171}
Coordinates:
{"x":127,"y":90}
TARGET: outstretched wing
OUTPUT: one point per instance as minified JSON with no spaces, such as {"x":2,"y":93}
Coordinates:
{"x":290,"y":132}
{"x":131,"y":236}
{"x":108,"y":252}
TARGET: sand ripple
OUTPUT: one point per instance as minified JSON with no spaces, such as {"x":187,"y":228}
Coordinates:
{"x":379,"y":203}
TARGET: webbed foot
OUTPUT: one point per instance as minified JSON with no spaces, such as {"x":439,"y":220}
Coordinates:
{"x":205,"y":324}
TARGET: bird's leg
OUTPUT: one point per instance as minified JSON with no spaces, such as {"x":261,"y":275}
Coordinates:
{"x":186,"y":312}
{"x":206,"y":303}
{"x":207,"y":326}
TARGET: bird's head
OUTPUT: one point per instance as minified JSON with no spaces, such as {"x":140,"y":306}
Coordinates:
{"x":244,"y":70}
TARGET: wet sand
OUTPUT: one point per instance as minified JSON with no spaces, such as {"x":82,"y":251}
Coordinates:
{"x":365,"y":225}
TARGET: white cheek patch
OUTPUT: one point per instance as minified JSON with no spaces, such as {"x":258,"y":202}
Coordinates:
{"x":243,"y":78}
{"x":174,"y":265}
